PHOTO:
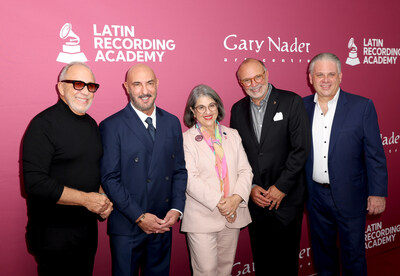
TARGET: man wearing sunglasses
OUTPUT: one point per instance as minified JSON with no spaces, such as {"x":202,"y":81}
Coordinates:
{"x":274,"y":128}
{"x":61,"y":155}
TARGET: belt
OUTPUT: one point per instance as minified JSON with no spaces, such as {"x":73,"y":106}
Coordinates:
{"x":325,"y":185}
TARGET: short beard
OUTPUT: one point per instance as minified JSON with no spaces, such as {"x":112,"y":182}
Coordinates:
{"x":142,"y":108}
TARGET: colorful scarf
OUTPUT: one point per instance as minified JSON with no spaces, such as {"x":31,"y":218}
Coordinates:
{"x":220,"y":160}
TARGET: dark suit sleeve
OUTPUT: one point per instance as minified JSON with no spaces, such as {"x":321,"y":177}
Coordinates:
{"x":180,"y":175}
{"x":374,"y":155}
{"x":300,"y":141}
{"x":110,"y":166}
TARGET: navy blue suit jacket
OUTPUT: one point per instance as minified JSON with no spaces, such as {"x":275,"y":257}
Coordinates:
{"x":137,"y":175}
{"x":356,"y":160}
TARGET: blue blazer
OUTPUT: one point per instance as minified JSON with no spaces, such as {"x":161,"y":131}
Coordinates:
{"x":356,"y":160}
{"x":137,"y":175}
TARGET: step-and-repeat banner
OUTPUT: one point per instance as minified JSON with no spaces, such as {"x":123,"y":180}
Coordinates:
{"x":188,"y":43}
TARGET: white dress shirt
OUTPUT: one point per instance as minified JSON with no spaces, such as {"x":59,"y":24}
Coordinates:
{"x":321,"y":133}
{"x":143,"y":116}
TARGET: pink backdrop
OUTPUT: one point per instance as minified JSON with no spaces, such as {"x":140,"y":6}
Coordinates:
{"x":188,"y":43}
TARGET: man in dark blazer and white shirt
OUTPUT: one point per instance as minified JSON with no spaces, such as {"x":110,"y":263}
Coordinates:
{"x":274,"y":128}
{"x":143,"y":173}
{"x":346,"y":171}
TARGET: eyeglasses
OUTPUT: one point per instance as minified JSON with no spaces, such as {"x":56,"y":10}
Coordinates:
{"x":201,"y":108}
{"x":79,"y":85}
{"x":258,"y":78}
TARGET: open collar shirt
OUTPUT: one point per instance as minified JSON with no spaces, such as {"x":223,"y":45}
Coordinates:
{"x":321,"y":132}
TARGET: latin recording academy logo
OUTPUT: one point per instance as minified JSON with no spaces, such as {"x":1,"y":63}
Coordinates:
{"x":376,"y":235}
{"x":374,"y":52}
{"x":114,"y":43}
{"x":71,"y":51}
{"x":293,"y":50}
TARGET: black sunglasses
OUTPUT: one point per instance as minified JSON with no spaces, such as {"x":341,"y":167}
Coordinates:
{"x":79,"y":85}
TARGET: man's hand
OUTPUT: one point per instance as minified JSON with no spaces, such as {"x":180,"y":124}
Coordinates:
{"x":97,"y":203}
{"x":170,"y":219}
{"x":274,"y":197}
{"x":258,"y":196}
{"x":107,"y":212}
{"x":152,"y":224}
{"x":227,"y":205}
{"x":376,"y":205}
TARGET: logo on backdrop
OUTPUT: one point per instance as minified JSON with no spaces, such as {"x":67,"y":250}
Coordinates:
{"x":376,"y":236}
{"x":118,"y":43}
{"x":390,"y":142}
{"x":352,"y":59}
{"x":374,"y":51}
{"x":293,"y":50}
{"x":71,"y":51}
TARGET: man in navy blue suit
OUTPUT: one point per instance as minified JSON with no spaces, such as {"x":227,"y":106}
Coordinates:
{"x":346,"y":170}
{"x":143,"y":173}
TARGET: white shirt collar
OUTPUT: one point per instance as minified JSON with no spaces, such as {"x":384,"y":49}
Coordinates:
{"x":143,"y":116}
{"x":334,"y":100}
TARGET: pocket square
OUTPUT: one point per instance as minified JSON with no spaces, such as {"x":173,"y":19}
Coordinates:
{"x":278,"y":116}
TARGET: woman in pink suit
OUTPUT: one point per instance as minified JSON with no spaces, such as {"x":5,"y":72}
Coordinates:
{"x":219,"y":184}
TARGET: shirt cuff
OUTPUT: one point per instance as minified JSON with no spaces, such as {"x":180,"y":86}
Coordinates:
{"x":180,"y":217}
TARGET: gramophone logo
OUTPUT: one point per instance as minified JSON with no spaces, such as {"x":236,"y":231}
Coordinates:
{"x":352,"y":59}
{"x":71,"y":49}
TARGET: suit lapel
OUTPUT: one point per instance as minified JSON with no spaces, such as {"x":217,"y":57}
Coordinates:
{"x":161,"y":134}
{"x":137,"y":127}
{"x":338,"y":120}
{"x":206,"y":152}
{"x":309,"y":104}
{"x":272,"y":105}
{"x":248,"y":121}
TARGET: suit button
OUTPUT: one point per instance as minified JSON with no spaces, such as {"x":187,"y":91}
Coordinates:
{"x":167,"y":178}
{"x":136,"y":159}
{"x":173,"y":156}
{"x":148,"y":180}
{"x":167,"y":200}
{"x":260,"y":154}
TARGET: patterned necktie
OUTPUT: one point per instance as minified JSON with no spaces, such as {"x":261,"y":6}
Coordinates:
{"x":150,"y":128}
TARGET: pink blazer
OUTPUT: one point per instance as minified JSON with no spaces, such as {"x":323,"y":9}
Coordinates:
{"x":201,"y":214}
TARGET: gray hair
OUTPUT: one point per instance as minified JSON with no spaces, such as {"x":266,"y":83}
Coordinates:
{"x":247,"y":61}
{"x":325,"y":56}
{"x":65,"y":69}
{"x":195,"y":94}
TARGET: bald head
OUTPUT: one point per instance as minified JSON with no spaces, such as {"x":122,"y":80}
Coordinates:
{"x":141,"y":84}
{"x":139,"y":69}
{"x":64,"y":72}
{"x":250,"y":62}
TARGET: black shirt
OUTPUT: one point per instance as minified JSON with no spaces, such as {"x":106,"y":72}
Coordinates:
{"x":60,"y":149}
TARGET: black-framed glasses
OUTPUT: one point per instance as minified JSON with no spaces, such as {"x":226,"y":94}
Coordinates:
{"x":202,"y":108}
{"x":79,"y":85}
{"x":258,"y":78}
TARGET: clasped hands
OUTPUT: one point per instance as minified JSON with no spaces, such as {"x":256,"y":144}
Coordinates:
{"x":227,"y":207}
{"x":271,"y":198}
{"x":151,"y":224}
{"x":99,"y":204}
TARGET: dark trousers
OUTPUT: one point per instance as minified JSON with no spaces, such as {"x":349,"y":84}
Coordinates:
{"x":65,"y":251}
{"x":149,"y":253}
{"x":276,"y":246}
{"x":326,"y":224}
